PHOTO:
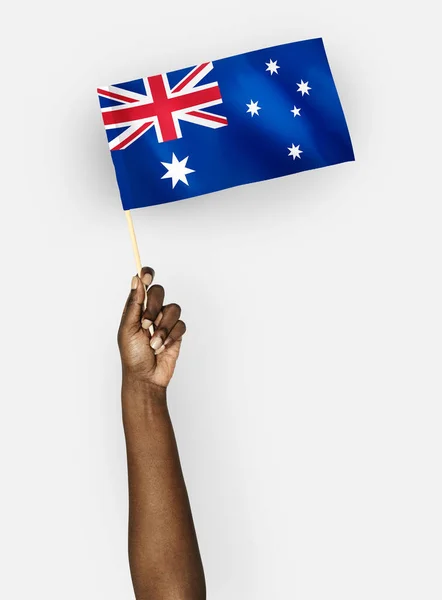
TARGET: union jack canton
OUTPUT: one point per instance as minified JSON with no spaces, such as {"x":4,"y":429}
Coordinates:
{"x":162,"y":107}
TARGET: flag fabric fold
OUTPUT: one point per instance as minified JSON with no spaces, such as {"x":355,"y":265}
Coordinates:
{"x":233,"y":121}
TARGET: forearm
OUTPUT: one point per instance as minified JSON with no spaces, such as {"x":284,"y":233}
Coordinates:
{"x":163,"y":550}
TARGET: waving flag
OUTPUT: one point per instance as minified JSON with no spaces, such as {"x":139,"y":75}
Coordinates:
{"x":238,"y":120}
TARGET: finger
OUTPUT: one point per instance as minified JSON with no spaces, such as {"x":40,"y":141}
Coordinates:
{"x":151,"y":328}
{"x":154,"y":303}
{"x":171,"y":314}
{"x":134,"y":305}
{"x":175,"y":335}
{"x":147,"y":275}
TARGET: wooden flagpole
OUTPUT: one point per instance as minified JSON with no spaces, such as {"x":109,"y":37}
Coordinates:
{"x":133,"y":239}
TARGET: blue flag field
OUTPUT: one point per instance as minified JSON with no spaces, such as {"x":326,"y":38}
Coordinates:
{"x":238,"y":120}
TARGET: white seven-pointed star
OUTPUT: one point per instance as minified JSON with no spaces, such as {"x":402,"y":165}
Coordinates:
{"x":295,"y":152}
{"x":253,"y":108}
{"x":303,"y":87}
{"x":296,"y":112}
{"x":177,"y":170}
{"x":273,"y":67}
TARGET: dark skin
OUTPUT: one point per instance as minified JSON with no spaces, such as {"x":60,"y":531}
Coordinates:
{"x":164,"y":557}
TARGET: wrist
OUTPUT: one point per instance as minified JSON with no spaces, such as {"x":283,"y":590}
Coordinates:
{"x":142,"y":386}
{"x":137,"y":391}
{"x":144,"y":412}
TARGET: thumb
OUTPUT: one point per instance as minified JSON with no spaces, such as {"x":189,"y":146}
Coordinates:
{"x":131,"y":318}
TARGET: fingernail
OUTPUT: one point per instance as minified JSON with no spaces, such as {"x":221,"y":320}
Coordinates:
{"x":134,"y":283}
{"x":158,"y":319}
{"x":156,"y":343}
{"x":147,"y":279}
{"x":145,"y":323}
{"x":163,"y":347}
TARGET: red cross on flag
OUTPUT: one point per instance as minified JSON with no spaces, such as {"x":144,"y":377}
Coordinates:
{"x":162,"y":107}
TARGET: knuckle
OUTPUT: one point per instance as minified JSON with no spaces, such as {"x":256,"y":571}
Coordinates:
{"x":175,"y":308}
{"x":178,"y":330}
{"x":156,"y":289}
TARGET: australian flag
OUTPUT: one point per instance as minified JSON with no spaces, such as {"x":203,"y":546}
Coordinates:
{"x":220,"y":124}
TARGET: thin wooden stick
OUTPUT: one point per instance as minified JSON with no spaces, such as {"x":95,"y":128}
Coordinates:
{"x":133,"y":239}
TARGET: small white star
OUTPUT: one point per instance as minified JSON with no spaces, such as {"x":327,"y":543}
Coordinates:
{"x":303,"y":87}
{"x":295,"y":152}
{"x":296,"y":112}
{"x":177,"y":170}
{"x":272,"y":67}
{"x":253,"y":108}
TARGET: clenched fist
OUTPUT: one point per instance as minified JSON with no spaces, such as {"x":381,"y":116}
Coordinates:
{"x":150,"y":333}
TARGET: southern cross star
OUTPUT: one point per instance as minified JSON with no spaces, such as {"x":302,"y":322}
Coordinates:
{"x":303,"y":87}
{"x":177,"y":170}
{"x":253,"y":108}
{"x":296,"y":112}
{"x":273,"y":67}
{"x":295,"y":152}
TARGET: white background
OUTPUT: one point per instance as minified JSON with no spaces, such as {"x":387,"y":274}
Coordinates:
{"x":307,"y":401}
